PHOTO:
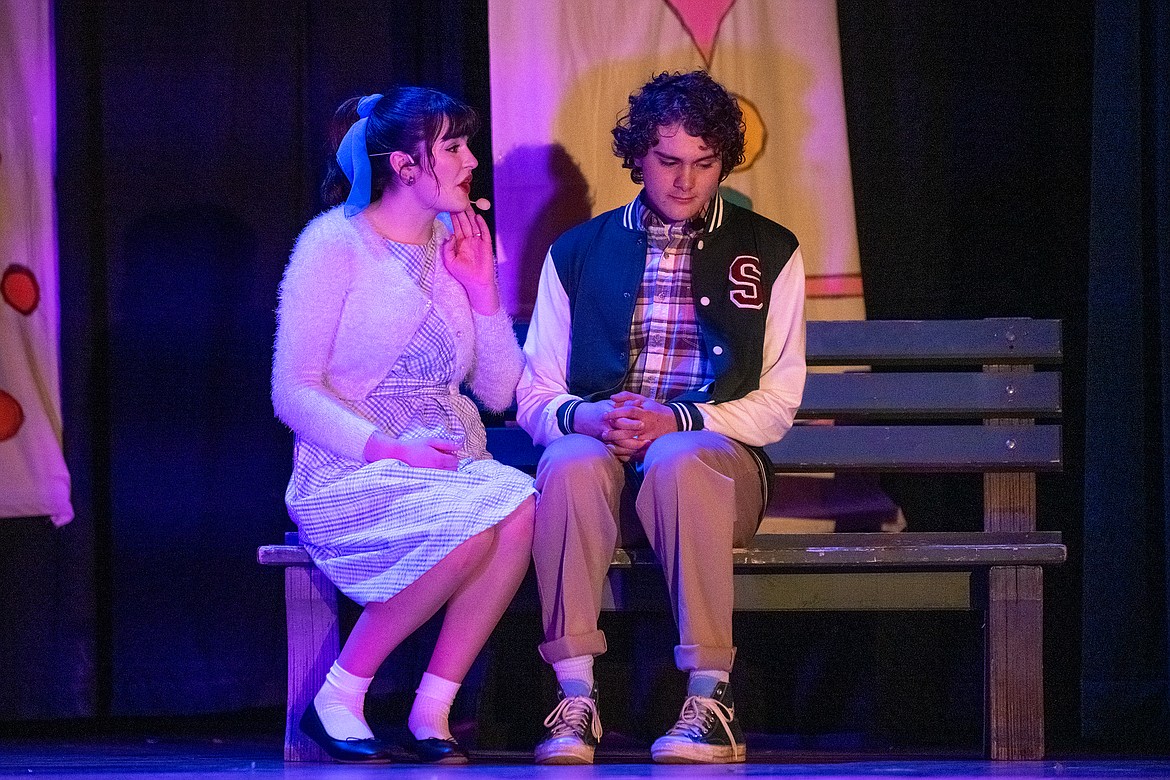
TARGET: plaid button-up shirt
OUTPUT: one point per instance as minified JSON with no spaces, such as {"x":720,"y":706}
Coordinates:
{"x":666,"y":347}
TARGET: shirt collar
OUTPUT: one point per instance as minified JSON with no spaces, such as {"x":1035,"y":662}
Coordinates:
{"x":638,"y":216}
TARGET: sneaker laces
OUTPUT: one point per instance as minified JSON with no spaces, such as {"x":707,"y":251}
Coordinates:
{"x":569,"y":718}
{"x":695,"y":719}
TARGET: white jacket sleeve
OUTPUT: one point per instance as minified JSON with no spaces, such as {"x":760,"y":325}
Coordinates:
{"x":312,"y":294}
{"x":543,"y":385}
{"x":764,"y":415}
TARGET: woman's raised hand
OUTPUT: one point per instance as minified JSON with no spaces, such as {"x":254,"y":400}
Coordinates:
{"x":467,"y":255}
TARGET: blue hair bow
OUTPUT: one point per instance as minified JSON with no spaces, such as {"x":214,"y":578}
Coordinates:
{"x":354,"y":158}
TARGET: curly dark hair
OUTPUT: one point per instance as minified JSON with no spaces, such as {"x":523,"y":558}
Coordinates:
{"x":696,"y":101}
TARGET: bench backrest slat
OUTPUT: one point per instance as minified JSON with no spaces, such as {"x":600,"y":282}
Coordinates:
{"x":931,"y":395}
{"x":967,"y":448}
{"x":934,"y":342}
{"x":950,"y":448}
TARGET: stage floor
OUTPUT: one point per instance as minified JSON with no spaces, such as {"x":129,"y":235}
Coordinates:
{"x":178,"y":758}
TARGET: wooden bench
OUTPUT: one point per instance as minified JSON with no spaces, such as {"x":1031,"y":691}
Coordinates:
{"x":980,"y":396}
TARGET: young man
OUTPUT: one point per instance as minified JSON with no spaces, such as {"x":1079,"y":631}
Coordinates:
{"x":666,"y":347}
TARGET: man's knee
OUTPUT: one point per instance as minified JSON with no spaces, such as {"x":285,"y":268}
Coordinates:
{"x":579,"y":482}
{"x":717,"y":476}
{"x":686,"y":454}
{"x":578,"y":461}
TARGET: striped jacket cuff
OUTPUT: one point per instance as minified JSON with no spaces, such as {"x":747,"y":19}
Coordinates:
{"x":687,"y":415}
{"x":565,"y":415}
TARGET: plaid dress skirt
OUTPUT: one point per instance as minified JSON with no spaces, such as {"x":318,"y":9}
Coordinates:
{"x":374,"y":528}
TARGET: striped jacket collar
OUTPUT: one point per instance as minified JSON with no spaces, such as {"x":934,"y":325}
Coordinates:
{"x":633,"y":212}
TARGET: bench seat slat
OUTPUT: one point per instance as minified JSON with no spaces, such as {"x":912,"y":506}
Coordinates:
{"x":938,"y":342}
{"x":283,"y":555}
{"x":903,"y":539}
{"x":933,"y":556}
{"x":836,"y":551}
{"x":931,"y":396}
{"x":921,"y":448}
{"x":878,"y":550}
{"x":902,"y":556}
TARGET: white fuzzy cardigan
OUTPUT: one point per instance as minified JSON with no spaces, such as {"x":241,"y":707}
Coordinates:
{"x":347,"y":310}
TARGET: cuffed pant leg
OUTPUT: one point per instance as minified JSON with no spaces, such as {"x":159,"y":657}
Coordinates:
{"x":701,"y":496}
{"x":580,"y":484}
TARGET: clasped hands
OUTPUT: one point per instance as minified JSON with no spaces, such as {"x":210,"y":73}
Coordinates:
{"x":627,"y":423}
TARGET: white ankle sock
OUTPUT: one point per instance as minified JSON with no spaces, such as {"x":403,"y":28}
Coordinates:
{"x":575,"y":675}
{"x":703,"y":681}
{"x":340,"y":703}
{"x":432,"y":707}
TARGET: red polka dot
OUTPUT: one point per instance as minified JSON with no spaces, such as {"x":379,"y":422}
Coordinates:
{"x":20,"y":289}
{"x":11,"y":416}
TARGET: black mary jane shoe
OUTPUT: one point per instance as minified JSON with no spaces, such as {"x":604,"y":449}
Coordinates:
{"x":352,"y":750}
{"x":439,"y":751}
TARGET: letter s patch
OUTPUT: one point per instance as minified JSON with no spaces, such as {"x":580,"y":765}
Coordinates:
{"x":746,"y":290}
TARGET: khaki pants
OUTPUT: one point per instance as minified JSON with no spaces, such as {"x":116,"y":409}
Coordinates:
{"x":697,"y":495}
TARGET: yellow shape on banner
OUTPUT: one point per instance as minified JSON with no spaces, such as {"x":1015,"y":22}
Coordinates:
{"x":756,"y":134}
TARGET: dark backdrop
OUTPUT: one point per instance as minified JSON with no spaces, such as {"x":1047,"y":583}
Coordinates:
{"x":190,"y":148}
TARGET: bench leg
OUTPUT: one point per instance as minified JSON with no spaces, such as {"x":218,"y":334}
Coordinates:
{"x":1014,"y":681}
{"x":310,"y":601}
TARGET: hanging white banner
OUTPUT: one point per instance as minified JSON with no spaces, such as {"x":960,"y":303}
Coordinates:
{"x":33,"y":477}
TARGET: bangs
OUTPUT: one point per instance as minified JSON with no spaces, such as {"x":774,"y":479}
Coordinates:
{"x":460,"y":118}
{"x":463,"y":121}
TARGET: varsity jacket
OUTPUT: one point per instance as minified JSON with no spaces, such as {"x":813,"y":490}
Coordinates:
{"x":747,"y":280}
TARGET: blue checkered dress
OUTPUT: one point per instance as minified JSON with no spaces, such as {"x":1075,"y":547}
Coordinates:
{"x":374,"y":528}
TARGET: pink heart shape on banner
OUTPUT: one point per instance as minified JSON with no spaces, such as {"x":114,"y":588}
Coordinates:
{"x":702,"y":18}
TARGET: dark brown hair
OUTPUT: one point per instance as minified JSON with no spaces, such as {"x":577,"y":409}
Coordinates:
{"x":694,"y":100}
{"x":406,"y":119}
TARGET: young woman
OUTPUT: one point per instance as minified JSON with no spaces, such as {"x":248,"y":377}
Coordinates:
{"x":384,"y":312}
